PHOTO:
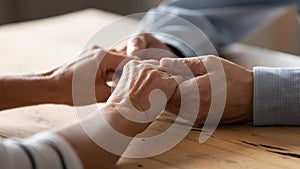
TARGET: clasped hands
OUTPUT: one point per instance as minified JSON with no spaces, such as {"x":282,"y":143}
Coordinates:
{"x":143,"y":76}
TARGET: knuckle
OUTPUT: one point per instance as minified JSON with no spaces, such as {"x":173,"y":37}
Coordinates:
{"x":139,"y":65}
{"x":187,"y":61}
{"x":136,"y":40}
{"x":153,"y":73}
{"x":163,"y":60}
{"x":133,"y":63}
{"x":146,"y":35}
{"x":209,"y":58}
{"x":130,"y":64}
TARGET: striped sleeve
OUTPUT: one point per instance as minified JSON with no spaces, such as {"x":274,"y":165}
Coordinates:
{"x":44,"y":150}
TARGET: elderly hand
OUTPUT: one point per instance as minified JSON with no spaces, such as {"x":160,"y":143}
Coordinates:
{"x":136,"y":47}
{"x":139,"y":80}
{"x":143,"y":87}
{"x":238,"y":105}
{"x":144,"y":41}
{"x":85,"y":66}
{"x":56,"y":86}
{"x":140,"y":95}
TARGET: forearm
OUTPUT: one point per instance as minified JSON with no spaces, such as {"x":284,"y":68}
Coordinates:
{"x":26,"y":90}
{"x":91,"y":154}
{"x":69,"y":147}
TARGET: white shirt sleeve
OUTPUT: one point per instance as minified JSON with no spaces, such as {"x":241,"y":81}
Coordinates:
{"x":12,"y":156}
{"x":45,"y":150}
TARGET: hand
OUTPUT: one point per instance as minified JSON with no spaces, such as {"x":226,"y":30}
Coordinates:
{"x":55,"y":86}
{"x":238,"y":106}
{"x":143,"y":91}
{"x":142,"y":41}
{"x":63,"y":76}
{"x":138,"y":80}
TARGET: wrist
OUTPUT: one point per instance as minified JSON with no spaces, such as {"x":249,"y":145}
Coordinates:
{"x":45,"y":89}
{"x":48,"y":89}
{"x":121,"y":123}
{"x":59,"y":89}
{"x":246,"y":99}
{"x":251,"y":89}
{"x":91,"y":137}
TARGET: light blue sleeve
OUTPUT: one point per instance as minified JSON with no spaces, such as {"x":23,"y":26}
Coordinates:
{"x":276,"y":96}
{"x":221,"y":21}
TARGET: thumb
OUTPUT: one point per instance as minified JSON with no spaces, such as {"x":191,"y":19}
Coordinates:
{"x":183,"y":66}
{"x":114,"y":65}
{"x":117,"y":62}
{"x":135,"y":44}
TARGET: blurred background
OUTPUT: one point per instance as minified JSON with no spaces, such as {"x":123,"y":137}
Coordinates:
{"x":281,"y":33}
{"x":12,"y":11}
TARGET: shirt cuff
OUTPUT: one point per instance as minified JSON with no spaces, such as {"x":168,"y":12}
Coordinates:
{"x":276,"y":96}
{"x":71,"y":159}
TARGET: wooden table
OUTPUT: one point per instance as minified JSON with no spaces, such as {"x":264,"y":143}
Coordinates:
{"x":39,"y":45}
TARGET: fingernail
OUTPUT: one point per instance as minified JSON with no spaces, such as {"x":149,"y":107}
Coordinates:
{"x":131,"y":50}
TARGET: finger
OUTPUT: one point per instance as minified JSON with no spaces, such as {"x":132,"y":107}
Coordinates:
{"x":113,"y":61}
{"x":152,"y":62}
{"x":121,"y":51}
{"x":169,"y":83}
{"x":114,"y":70}
{"x":178,"y":79}
{"x":205,"y":98}
{"x":113,"y":50}
{"x":184,"y":92}
{"x":120,"y":66}
{"x":153,"y":53}
{"x":183,"y":66}
{"x":95,"y":47}
{"x":135,"y":44}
